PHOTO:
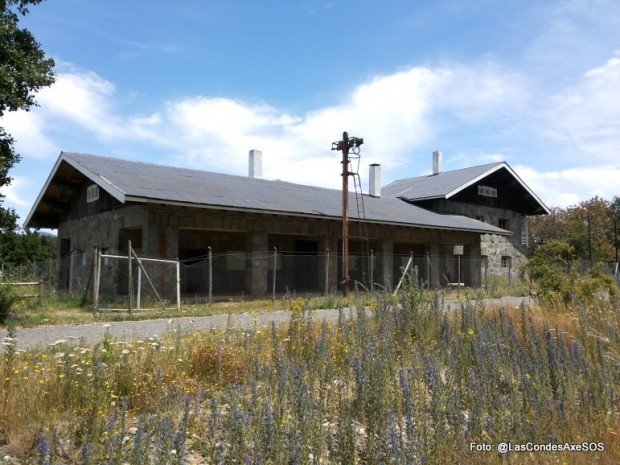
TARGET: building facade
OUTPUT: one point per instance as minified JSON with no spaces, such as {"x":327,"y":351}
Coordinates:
{"x":176,"y":213}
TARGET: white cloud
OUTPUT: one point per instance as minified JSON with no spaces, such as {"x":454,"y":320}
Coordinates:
{"x":16,"y":195}
{"x":392,"y":112}
{"x":570,"y":186}
{"x":587,"y":115}
{"x":397,"y":114}
{"x":28,"y":131}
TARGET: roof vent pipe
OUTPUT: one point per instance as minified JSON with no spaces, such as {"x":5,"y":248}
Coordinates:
{"x":374,"y":180}
{"x":255,"y":164}
{"x":437,"y":162}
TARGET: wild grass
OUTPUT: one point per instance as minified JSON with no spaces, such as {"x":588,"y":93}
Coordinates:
{"x":407,"y":383}
{"x":53,"y":310}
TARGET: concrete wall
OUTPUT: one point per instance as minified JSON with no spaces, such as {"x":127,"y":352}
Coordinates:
{"x":162,"y":226}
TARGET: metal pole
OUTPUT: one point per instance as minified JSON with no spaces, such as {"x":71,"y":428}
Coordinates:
{"x":139,"y":292}
{"x":458,"y":273}
{"x":411,"y":270}
{"x":129,"y":277}
{"x":326,"y":271}
{"x":210,"y":275}
{"x":372,"y":270}
{"x":49,"y":273}
{"x":345,"y":211}
{"x":428,"y":271}
{"x":95,"y":248}
{"x":97,"y":279}
{"x":275,"y":267}
{"x":178,"y":285}
{"x":71,"y":268}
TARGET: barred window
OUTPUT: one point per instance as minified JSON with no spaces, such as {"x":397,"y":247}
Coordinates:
{"x":506,"y":261}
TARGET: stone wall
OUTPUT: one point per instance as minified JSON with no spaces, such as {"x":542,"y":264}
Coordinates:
{"x":493,"y":246}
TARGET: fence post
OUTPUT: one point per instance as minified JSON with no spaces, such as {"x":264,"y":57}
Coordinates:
{"x":94,"y":272}
{"x":129,"y":277}
{"x":428,"y":271}
{"x":510,"y":272}
{"x":49,"y":274}
{"x":275,"y":267}
{"x":411,"y":271}
{"x":97,"y":280}
{"x":71,"y":269}
{"x":458,"y":274}
{"x":326,"y":271}
{"x":139,"y":291}
{"x":178,"y":285}
{"x":372,"y":270}
{"x":210,"y":275}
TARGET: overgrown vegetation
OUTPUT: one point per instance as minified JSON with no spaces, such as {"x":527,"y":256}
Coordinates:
{"x":407,"y":383}
{"x":7,"y":300}
{"x":553,"y":272}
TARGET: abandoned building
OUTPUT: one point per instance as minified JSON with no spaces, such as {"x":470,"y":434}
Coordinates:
{"x":170,"y":212}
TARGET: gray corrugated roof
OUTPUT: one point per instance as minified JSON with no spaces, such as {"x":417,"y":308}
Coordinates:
{"x":136,"y":181}
{"x":435,"y":185}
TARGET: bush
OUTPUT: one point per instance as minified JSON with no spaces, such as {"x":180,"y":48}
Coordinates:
{"x":7,"y":299}
{"x":596,"y":283}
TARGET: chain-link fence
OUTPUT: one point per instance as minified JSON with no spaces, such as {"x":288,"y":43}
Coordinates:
{"x":271,"y":274}
{"x":135,"y":283}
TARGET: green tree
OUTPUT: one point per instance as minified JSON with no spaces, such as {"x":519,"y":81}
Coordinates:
{"x":571,"y":225}
{"x":24,"y":70}
{"x":26,"y":246}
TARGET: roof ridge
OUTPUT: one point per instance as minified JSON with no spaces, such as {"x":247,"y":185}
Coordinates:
{"x":449,"y":171}
{"x":237,"y":176}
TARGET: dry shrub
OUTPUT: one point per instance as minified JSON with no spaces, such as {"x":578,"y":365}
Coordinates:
{"x":219,"y":364}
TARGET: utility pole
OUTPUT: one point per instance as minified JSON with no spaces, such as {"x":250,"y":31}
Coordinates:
{"x":344,"y":146}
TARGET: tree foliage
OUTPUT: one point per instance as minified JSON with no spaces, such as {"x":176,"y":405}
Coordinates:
{"x":571,"y":225}
{"x":553,"y":270}
{"x":17,"y":247}
{"x":24,"y":70}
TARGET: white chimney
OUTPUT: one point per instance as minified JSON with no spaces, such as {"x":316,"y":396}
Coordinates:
{"x":255,"y":164}
{"x":437,"y":162}
{"x":374,"y":180}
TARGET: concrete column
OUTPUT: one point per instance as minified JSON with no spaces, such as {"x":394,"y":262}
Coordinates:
{"x":473,"y":266}
{"x":331,"y":243}
{"x":257,"y":263}
{"x":436,"y":270}
{"x":387,"y":259}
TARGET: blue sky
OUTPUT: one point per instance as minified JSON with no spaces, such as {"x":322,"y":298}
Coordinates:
{"x":199,"y":83}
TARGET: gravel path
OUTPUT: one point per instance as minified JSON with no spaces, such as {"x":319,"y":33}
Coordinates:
{"x":30,"y":338}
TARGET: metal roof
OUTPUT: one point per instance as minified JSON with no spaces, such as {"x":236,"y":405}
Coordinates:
{"x":130,"y":181}
{"x":449,"y":183}
{"x":435,"y":186}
